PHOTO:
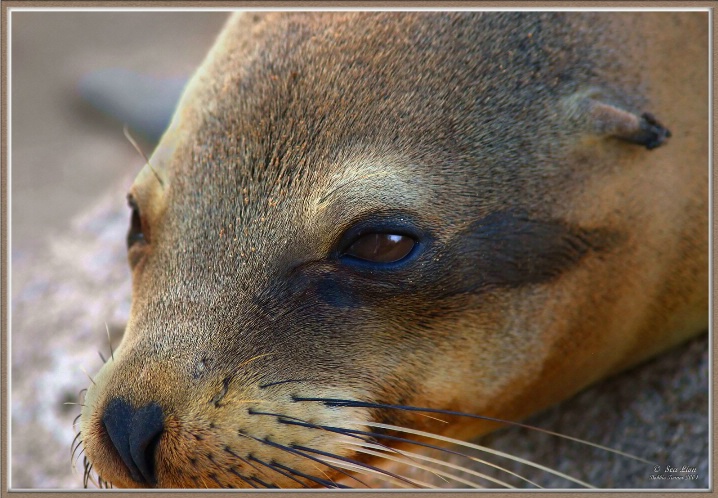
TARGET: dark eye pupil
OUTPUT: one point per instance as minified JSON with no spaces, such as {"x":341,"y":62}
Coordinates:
{"x":381,"y":247}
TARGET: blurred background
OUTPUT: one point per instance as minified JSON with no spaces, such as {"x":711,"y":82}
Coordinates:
{"x":64,"y":152}
{"x":76,"y":77}
{"x":70,"y":169}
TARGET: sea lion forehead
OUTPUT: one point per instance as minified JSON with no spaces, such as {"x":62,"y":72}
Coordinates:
{"x":324,"y":75}
{"x":328,"y":198}
{"x":319,"y":90}
{"x":385,"y":181}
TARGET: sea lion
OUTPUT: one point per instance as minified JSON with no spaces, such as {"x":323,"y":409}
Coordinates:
{"x":359,"y":224}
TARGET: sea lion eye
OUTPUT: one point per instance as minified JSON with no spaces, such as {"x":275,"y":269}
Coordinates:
{"x":135,"y":234}
{"x":381,"y":247}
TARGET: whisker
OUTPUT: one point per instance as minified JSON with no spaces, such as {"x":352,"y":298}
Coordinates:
{"x":326,"y":476}
{"x":88,"y":375}
{"x":204,"y":482}
{"x":300,"y":451}
{"x":414,"y":442}
{"x":443,"y":463}
{"x":262,"y":483}
{"x":264,"y":386}
{"x":438,"y":473}
{"x":324,"y":482}
{"x":244,"y":460}
{"x":74,"y":422}
{"x":296,"y":421}
{"x":479,"y":448}
{"x":295,"y":451}
{"x":434,"y":418}
{"x":245,"y":479}
{"x":89,"y":477}
{"x":73,"y":446}
{"x":285,"y":474}
{"x":77,"y":458}
{"x":102,"y":357}
{"x":126,"y":132}
{"x":88,"y":469}
{"x":109,"y":339}
{"x":254,"y":358}
{"x":281,"y":419}
{"x":352,"y":461}
{"x":362,"y":468}
{"x":364,"y":404}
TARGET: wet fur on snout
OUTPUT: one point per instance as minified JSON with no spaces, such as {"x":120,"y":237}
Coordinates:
{"x":553,"y":247}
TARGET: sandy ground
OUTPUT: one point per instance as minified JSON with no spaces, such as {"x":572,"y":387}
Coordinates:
{"x":70,"y":170}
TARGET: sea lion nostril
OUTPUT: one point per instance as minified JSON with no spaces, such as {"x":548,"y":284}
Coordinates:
{"x":135,"y":434}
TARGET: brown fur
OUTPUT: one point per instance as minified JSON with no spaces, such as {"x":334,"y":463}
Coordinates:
{"x":555,"y":251}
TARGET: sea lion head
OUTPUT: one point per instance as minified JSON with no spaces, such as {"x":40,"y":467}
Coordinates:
{"x":351,"y":211}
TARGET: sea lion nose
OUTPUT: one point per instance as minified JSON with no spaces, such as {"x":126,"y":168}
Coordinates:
{"x":135,"y":434}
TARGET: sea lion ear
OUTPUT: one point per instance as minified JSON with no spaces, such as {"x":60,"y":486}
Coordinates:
{"x":609,"y":120}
